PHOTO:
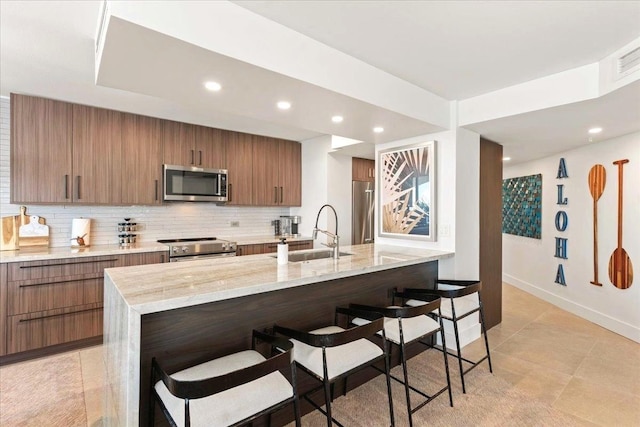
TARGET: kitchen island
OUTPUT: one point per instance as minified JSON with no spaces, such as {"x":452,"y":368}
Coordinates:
{"x":184,"y":313}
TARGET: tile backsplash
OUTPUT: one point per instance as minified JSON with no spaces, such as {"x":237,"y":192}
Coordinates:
{"x":154,"y":222}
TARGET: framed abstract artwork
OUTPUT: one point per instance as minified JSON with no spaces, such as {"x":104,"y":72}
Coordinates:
{"x":408,"y":192}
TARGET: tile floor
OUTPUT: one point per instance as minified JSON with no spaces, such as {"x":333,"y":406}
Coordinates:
{"x":550,"y":355}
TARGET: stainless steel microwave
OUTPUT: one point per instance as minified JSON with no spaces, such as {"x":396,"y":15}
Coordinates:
{"x":195,"y":184}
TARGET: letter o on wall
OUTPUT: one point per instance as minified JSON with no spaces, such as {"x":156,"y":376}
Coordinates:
{"x":562,"y":221}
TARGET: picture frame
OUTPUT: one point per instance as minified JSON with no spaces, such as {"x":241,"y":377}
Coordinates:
{"x":407,"y":183}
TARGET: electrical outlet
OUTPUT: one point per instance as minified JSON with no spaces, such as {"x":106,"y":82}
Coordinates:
{"x":445,"y":230}
{"x":235,"y":223}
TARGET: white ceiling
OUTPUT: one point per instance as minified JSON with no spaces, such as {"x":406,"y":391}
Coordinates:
{"x":453,"y":49}
{"x":460,"y":49}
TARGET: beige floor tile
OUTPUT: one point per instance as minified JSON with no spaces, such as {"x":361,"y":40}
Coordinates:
{"x":556,"y":336}
{"x":515,"y":365}
{"x":625,"y":413}
{"x":502,"y":332}
{"x":557,"y":358}
{"x":587,"y":400}
{"x":581,"y":422}
{"x":614,"y":374}
{"x":92,"y":366}
{"x":572,"y":323}
{"x":543,"y":384}
{"x":616,"y":347}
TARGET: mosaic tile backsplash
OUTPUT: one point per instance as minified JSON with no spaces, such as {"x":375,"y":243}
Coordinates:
{"x":522,"y":206}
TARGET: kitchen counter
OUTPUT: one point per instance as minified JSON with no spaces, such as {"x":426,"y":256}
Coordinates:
{"x":46,"y":253}
{"x":256,"y":240}
{"x":153,"y":288}
{"x":184,"y":311}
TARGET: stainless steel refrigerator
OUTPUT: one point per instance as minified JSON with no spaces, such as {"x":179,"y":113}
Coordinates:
{"x":363,"y":202}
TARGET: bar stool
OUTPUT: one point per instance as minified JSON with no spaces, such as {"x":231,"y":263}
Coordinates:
{"x":229,"y":391}
{"x":456,"y":310}
{"x":332,"y":353}
{"x":404,"y":326}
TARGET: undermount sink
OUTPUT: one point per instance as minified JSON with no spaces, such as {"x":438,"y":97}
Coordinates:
{"x":309,"y":256}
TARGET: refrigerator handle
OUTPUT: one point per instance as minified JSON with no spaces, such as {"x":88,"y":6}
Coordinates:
{"x":369,"y":239}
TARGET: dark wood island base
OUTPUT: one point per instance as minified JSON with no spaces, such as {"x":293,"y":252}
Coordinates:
{"x":191,"y":335}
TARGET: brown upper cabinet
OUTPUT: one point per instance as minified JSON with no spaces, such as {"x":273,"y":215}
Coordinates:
{"x":65,"y":153}
{"x":41,"y":150}
{"x":191,"y":145}
{"x":97,"y":151}
{"x":239,"y":156}
{"x":141,"y":165}
{"x":363,"y":169}
{"x":290,"y":172}
{"x":277,"y":172}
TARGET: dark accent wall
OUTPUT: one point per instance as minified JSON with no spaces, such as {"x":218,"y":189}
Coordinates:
{"x":491,"y":230}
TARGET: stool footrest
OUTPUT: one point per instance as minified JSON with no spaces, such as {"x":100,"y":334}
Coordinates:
{"x":430,"y":398}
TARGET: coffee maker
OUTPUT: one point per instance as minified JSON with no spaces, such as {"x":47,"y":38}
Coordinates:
{"x":289,"y":225}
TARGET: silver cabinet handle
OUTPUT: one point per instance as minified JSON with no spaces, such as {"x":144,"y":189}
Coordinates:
{"x":200,"y":154}
{"x":230,"y":193}
{"x":66,"y":186}
{"x":156,"y":189}
{"x":275,"y":193}
{"x":281,"y":199}
{"x":193,"y":159}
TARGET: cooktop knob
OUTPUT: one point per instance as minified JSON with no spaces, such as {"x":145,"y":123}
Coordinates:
{"x":185,"y":249}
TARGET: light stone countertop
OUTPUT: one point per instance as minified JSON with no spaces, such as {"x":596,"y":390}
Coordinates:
{"x":154,"y":288}
{"x":46,"y":253}
{"x":256,"y":240}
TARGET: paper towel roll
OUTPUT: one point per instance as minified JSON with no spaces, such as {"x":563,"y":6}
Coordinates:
{"x":283,"y":253}
{"x":80,"y":232}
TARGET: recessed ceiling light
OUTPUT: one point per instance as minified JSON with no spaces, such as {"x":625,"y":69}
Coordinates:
{"x":284,"y":105}
{"x":378,"y":129}
{"x":213,"y":86}
{"x":337,"y":119}
{"x":506,"y":159}
{"x":593,"y":131}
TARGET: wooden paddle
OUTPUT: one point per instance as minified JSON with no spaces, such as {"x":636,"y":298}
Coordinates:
{"x":597,"y":180}
{"x":620,"y":269}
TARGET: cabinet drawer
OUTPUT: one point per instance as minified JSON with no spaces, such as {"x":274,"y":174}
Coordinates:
{"x":300,"y":245}
{"x":297,"y":245}
{"x":28,"y":298}
{"x":69,"y":269}
{"x":37,"y":330}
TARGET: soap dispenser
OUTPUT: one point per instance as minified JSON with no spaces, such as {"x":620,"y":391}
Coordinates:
{"x":283,"y":251}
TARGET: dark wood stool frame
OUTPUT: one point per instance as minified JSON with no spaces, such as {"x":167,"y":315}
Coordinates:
{"x":325,"y":341}
{"x":187,"y":390}
{"x":467,"y":287}
{"x":406,"y":312}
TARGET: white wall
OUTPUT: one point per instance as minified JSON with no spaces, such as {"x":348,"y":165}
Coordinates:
{"x":339,"y":179}
{"x":457,"y":194}
{"x":530,"y":264}
{"x":326,"y":178}
{"x":174,"y":220}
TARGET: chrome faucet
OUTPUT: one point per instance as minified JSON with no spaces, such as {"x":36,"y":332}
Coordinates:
{"x":335,"y":245}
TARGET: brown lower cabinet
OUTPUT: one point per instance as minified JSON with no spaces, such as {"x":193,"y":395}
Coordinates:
{"x":267,"y":248}
{"x":48,"y":305}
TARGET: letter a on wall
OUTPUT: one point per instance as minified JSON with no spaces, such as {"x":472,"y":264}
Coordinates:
{"x":562,"y":169}
{"x":560,"y":276}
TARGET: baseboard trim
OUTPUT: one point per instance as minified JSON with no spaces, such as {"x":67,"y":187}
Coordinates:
{"x":601,"y":319}
{"x":49,"y":351}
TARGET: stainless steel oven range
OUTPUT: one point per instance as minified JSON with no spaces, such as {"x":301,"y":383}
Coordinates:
{"x":199,"y":248}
